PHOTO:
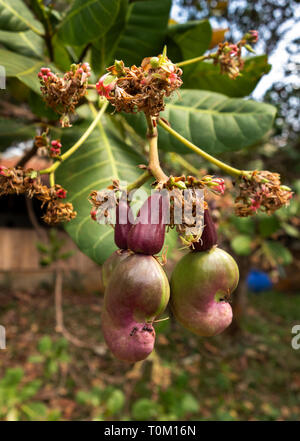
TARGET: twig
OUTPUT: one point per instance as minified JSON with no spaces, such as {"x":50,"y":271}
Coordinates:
{"x":77,"y":144}
{"x":225,"y":167}
{"x":60,"y":328}
{"x":32,"y":217}
{"x":84,"y":52}
{"x":28,"y":155}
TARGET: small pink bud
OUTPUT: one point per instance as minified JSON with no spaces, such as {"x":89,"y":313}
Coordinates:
{"x":173,"y":77}
{"x":105,"y":85}
{"x":233,"y":49}
{"x":254,"y":35}
{"x":255,"y":204}
{"x":45,"y":70}
{"x":219,"y":185}
{"x":3,"y":170}
{"x":93,"y":214}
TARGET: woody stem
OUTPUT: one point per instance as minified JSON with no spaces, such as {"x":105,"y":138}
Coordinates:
{"x":154,"y":164}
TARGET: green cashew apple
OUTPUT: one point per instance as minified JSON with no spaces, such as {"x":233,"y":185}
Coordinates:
{"x":201,"y":284}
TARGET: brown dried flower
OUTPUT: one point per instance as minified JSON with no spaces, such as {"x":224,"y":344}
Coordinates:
{"x":141,"y":88}
{"x":229,"y":57}
{"x":57,"y":212}
{"x":63,"y":94}
{"x":28,"y":182}
{"x":261,"y":190}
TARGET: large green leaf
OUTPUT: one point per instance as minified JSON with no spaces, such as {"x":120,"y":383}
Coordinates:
{"x":195,"y":41}
{"x":26,"y":43}
{"x":212,"y":121}
{"x":23,"y":68}
{"x":205,"y":75}
{"x":87,"y":20}
{"x":15,"y":16}
{"x":12,"y":131}
{"x":103,"y":50}
{"x":145,"y":30}
{"x":103,"y":157}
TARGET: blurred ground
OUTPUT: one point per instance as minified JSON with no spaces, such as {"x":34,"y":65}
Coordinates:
{"x":252,"y":377}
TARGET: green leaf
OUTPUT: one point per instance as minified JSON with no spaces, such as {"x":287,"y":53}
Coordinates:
{"x":103,"y":49}
{"x":244,"y":225}
{"x":145,"y":31}
{"x":195,"y":41}
{"x":30,"y":389}
{"x":268,"y":225}
{"x":205,"y":75}
{"x":35,"y":411}
{"x":241,"y":245}
{"x":45,"y":344}
{"x":115,"y":402}
{"x":26,"y":43}
{"x":290,"y":230}
{"x":212,"y":121}
{"x":189,"y":404}
{"x":103,"y":157}
{"x":88,"y":20}
{"x":15,"y":16}
{"x":144,"y":409}
{"x":39,"y":107}
{"x":12,"y":131}
{"x":12,"y":377}
{"x":277,"y":252}
{"x":23,"y":68}
{"x":35,"y":359}
{"x":61,"y":55}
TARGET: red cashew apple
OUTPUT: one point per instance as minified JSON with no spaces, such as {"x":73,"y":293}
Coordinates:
{"x":138,"y":290}
{"x":131,"y":342}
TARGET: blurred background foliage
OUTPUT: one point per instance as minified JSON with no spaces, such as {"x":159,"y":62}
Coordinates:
{"x":44,"y":376}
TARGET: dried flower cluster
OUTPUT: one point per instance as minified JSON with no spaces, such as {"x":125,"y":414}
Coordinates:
{"x":141,"y":88}
{"x":186,"y":199}
{"x":103,"y":203}
{"x":261,"y":190}
{"x":216,"y":185}
{"x":62,"y":94}
{"x":47,"y":147}
{"x":229,"y":56}
{"x":27,"y":182}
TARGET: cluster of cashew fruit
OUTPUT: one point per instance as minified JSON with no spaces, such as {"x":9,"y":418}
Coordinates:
{"x":137,"y":289}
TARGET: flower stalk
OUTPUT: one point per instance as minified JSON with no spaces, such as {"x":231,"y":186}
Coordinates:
{"x":154,"y":164}
{"x":77,"y":144}
{"x":225,"y":167}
